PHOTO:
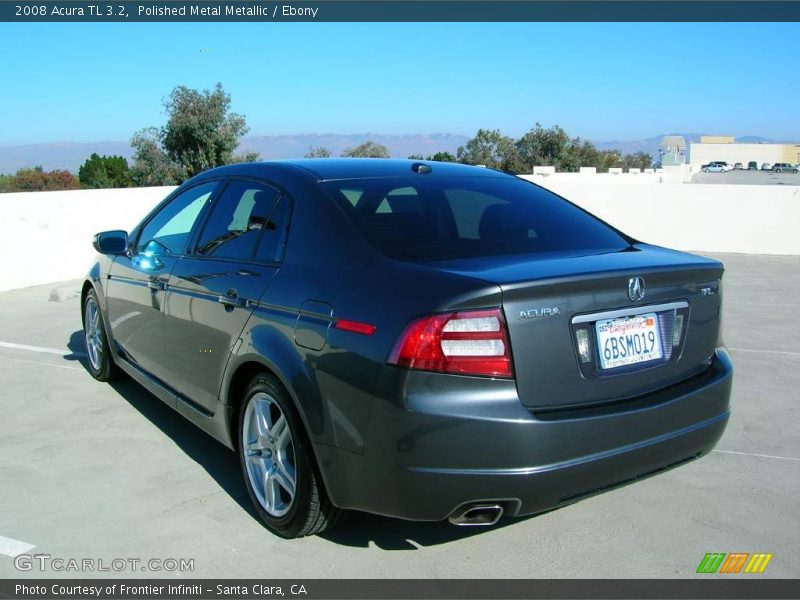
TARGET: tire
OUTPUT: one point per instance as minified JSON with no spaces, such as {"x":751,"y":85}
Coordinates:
{"x":274,"y":448}
{"x":794,"y":172}
{"x":778,"y":171}
{"x":98,"y":352}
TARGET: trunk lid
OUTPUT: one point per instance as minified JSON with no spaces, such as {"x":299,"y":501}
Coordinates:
{"x":547,"y":298}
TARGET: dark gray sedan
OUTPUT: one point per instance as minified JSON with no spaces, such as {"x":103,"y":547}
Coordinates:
{"x":414,"y":339}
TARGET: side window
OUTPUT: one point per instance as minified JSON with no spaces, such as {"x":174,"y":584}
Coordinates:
{"x":273,"y":242}
{"x":237,"y":221}
{"x":168,"y":232}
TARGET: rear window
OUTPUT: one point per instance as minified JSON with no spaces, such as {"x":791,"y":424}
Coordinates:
{"x":432,"y":219}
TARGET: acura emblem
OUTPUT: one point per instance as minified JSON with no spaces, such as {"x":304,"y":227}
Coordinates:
{"x":636,"y":288}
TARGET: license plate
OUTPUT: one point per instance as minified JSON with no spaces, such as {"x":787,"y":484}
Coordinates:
{"x":628,"y":340}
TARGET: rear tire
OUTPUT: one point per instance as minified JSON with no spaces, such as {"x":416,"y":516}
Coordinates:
{"x":278,"y":463}
{"x":98,"y":352}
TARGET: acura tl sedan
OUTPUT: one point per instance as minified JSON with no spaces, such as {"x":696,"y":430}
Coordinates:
{"x":421,"y":340}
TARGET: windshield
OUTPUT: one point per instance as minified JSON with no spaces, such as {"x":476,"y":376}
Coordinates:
{"x":433,"y":219}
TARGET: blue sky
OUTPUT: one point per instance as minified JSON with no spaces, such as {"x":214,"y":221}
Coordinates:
{"x":91,"y":82}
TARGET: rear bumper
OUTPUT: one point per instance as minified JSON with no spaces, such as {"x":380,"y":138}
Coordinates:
{"x":437,"y":449}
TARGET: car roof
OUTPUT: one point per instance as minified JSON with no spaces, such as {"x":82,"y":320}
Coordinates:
{"x":323,"y":169}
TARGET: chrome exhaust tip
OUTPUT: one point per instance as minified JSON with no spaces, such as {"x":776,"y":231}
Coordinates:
{"x":476,"y":515}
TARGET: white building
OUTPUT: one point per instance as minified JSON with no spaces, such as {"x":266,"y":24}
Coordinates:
{"x":725,"y":148}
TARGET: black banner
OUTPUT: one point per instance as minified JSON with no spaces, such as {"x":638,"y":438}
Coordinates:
{"x":402,"y":11}
{"x":445,"y":589}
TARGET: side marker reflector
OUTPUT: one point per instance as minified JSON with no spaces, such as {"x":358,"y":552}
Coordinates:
{"x":355,"y":326}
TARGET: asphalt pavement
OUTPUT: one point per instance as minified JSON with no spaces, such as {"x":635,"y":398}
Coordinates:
{"x":745,"y":177}
{"x":98,"y":472}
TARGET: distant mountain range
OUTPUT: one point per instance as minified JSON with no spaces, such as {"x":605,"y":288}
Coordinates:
{"x":71,"y":155}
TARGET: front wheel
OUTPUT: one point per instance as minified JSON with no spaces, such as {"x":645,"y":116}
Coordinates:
{"x":277,"y":463}
{"x":98,"y":351}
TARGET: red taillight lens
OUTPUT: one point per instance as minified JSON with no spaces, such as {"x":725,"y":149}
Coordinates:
{"x":471,"y":342}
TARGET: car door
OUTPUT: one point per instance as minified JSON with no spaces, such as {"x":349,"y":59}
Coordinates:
{"x":137,"y":281}
{"x":213,"y":290}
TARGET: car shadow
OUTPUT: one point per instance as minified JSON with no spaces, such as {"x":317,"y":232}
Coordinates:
{"x":77,"y":349}
{"x":357,"y":529}
{"x":219,"y":461}
{"x":360,"y":530}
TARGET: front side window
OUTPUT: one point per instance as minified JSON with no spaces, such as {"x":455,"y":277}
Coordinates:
{"x":168,"y":232}
{"x":237,"y":221}
{"x":431,"y":219}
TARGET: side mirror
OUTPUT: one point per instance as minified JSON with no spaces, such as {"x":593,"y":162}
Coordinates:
{"x":111,"y":242}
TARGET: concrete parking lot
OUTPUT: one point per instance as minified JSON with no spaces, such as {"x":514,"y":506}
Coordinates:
{"x":90,"y":470}
{"x":742,"y":177}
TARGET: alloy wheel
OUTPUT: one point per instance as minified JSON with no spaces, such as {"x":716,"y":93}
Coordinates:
{"x":269,"y":454}
{"x":93,"y":334}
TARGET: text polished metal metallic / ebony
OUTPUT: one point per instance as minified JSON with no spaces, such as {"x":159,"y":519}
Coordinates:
{"x":352,"y":328}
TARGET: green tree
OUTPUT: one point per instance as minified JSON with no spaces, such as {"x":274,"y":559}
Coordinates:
{"x":608,"y":159}
{"x":318,"y":152}
{"x":578,"y":154}
{"x":491,"y":149}
{"x":151,"y":165}
{"x":541,"y":146}
{"x":638,"y":160}
{"x":443,"y":157}
{"x":104,"y":172}
{"x":249,"y":156}
{"x":438,"y":157}
{"x":368,"y":149}
{"x":200,"y":133}
{"x":6,"y":182}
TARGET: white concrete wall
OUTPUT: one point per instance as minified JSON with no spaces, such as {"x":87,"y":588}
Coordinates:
{"x":752,"y":219}
{"x":47,"y":236}
{"x":594,"y":178}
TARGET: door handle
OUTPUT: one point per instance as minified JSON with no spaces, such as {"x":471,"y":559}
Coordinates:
{"x":232,"y":300}
{"x":156,"y":284}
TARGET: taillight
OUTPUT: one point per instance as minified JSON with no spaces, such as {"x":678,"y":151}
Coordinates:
{"x":471,"y":342}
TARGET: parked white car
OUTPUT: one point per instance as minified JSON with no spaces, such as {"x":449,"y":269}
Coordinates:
{"x":707,"y":168}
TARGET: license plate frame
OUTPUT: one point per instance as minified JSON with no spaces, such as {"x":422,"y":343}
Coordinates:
{"x":628,"y":341}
